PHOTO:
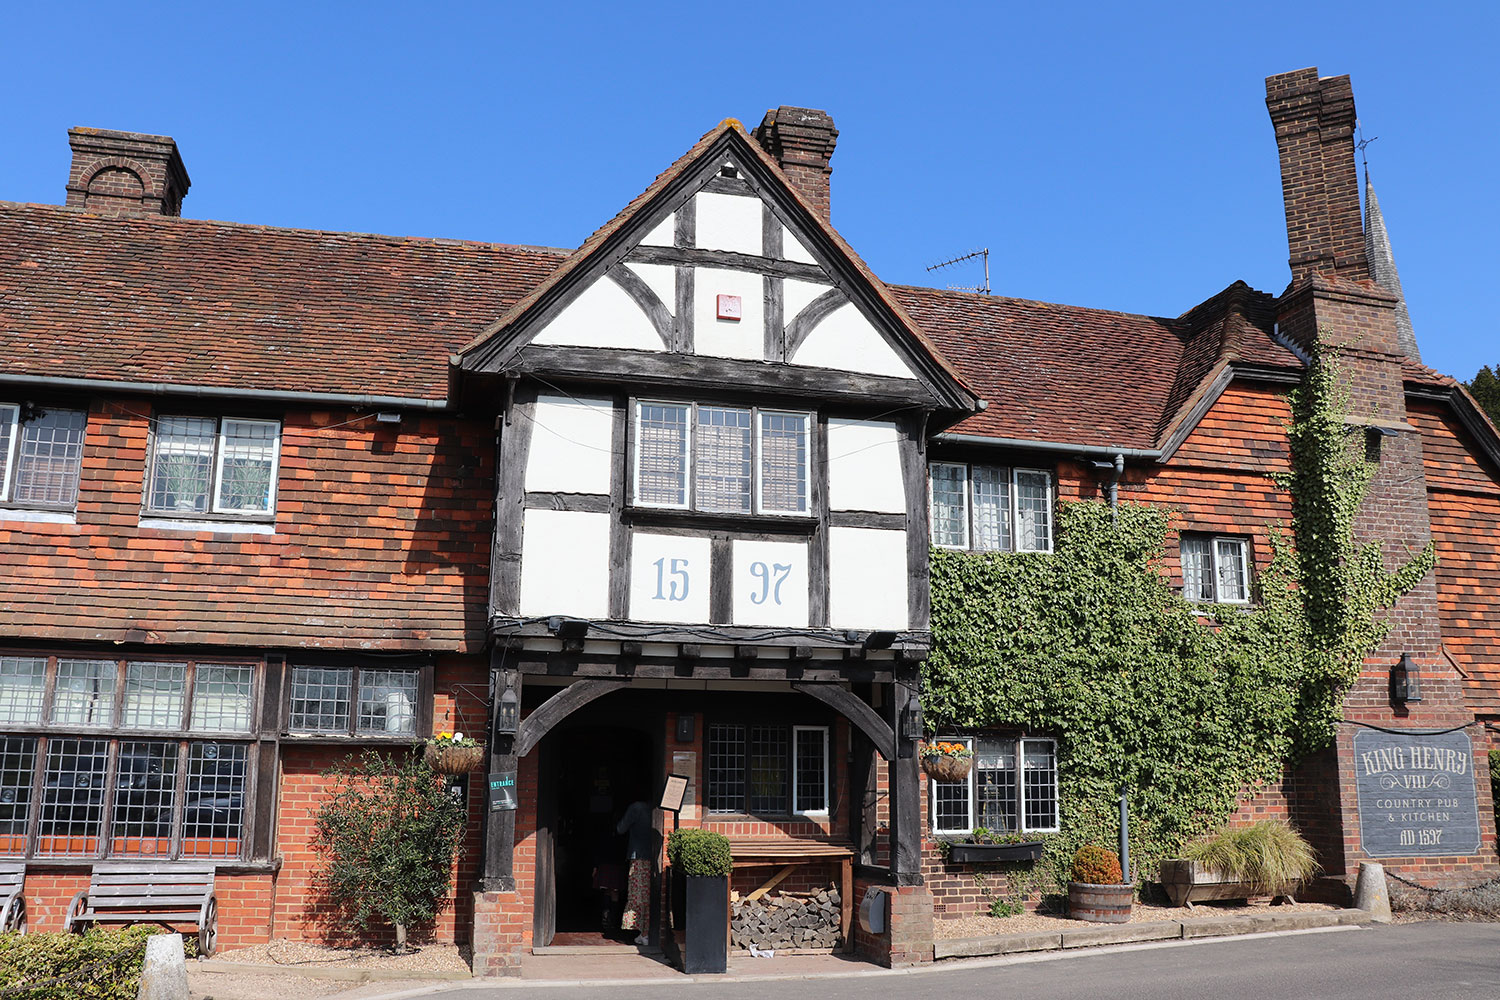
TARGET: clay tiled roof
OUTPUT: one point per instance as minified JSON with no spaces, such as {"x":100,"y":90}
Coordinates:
{"x":1089,"y":376}
{"x":190,"y":302}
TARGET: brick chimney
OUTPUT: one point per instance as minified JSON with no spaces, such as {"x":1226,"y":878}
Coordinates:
{"x":1314,"y":121}
{"x":802,"y":141}
{"x":125,"y":173}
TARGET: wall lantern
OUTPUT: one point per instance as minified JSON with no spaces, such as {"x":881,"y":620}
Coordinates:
{"x":1405,"y":687}
{"x":911,"y":720}
{"x":508,"y":713}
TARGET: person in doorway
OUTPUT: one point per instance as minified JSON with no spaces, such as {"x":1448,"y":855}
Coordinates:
{"x":639,"y":848}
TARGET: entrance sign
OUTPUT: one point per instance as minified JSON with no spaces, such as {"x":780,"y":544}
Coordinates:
{"x":674,"y":792}
{"x":502,"y":791}
{"x":1416,"y":794}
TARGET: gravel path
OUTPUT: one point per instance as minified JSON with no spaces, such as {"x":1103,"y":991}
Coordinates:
{"x":284,"y":953}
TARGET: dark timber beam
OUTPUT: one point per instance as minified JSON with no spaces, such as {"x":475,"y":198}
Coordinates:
{"x":558,"y":707}
{"x":847,"y":704}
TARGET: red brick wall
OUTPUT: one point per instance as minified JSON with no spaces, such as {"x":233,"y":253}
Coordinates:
{"x":382,"y":540}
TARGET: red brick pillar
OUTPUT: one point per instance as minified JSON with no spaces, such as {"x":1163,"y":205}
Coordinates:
{"x":499,"y":933}
{"x":907,"y":938}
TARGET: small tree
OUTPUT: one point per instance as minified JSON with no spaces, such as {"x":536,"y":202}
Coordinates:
{"x":388,"y":836}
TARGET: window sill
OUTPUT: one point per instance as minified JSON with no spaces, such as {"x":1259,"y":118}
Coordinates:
{"x":227,"y":527}
{"x":225,"y":866}
{"x":38,"y":516}
{"x":335,"y":739}
{"x":792,"y":524}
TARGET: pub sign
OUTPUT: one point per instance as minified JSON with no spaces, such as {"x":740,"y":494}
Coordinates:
{"x":1416,"y":793}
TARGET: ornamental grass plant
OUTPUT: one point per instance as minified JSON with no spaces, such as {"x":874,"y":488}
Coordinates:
{"x":1269,"y":856}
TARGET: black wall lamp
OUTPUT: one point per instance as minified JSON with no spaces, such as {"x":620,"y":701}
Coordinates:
{"x":508,"y":713}
{"x":1405,"y":687}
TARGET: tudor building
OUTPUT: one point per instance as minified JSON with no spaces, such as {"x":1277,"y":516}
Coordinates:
{"x":670,"y":496}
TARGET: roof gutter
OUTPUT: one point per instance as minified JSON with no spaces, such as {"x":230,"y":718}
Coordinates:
{"x":1024,"y":444}
{"x":224,"y":392}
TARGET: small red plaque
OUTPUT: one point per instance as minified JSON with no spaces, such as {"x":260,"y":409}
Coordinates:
{"x":729,"y":307}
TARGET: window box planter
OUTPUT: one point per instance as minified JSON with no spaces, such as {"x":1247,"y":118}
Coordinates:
{"x":1100,"y":904}
{"x":1189,"y":882}
{"x":973,"y":853}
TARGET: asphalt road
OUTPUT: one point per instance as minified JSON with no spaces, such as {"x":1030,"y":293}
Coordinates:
{"x":1421,"y":961}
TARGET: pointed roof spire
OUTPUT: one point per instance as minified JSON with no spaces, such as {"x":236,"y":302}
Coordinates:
{"x":1383,"y":268}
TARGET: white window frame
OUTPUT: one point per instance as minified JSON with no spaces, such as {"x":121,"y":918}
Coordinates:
{"x":759,"y":479}
{"x":1213,"y":568}
{"x":216,"y":474}
{"x":972,"y":783}
{"x":690,"y":493}
{"x":795,"y":805}
{"x":1013,"y":474}
{"x":218,"y":482}
{"x":13,"y":445}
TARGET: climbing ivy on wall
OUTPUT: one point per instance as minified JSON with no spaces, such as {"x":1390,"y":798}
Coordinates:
{"x":1091,"y":644}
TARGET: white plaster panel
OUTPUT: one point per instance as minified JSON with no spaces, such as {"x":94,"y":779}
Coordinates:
{"x":846,"y":341}
{"x":570,"y":445}
{"x":565,"y":564}
{"x":669,"y":578}
{"x":864,"y":466}
{"x":792,"y":248}
{"x":867,"y":578}
{"x":664,"y":233}
{"x":797,"y":295}
{"x":661,"y":279}
{"x":744,"y":338}
{"x":601,"y":316}
{"x":770,"y":583}
{"x":729,"y":222}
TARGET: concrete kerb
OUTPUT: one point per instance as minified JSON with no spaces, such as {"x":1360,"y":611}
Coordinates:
{"x":1280,"y":924}
{"x":1098,"y":935}
{"x":341,"y":975}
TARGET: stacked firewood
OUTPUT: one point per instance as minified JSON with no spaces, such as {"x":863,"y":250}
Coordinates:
{"x":787,"y":920}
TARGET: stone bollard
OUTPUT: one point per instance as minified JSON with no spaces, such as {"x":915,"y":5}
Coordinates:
{"x":1371,"y":893}
{"x":164,"y":975}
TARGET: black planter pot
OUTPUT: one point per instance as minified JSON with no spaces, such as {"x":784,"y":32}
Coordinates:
{"x":707,"y":929}
{"x":967,"y":853}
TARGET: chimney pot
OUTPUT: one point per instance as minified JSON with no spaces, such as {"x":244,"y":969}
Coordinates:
{"x":801,"y":140}
{"x":125,"y":173}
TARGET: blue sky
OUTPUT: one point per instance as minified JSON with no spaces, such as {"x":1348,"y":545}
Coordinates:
{"x":1116,"y":156}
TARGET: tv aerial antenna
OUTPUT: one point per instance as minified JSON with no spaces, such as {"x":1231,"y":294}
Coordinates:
{"x":984,"y":253}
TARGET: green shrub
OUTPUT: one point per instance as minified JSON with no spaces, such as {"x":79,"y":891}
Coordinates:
{"x":387,"y":837}
{"x":1270,"y":855}
{"x":1097,"y":866}
{"x":97,"y":965}
{"x":699,"y":852}
{"x":1005,"y":908}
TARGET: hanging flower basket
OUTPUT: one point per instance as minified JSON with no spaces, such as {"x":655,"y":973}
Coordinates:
{"x":947,"y":761}
{"x":450,"y":753}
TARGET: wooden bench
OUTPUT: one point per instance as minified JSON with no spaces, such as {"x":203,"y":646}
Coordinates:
{"x":787,"y":855}
{"x":13,"y":907}
{"x":165,"y":893}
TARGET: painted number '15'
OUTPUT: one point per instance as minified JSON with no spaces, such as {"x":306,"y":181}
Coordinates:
{"x":771,"y":578}
{"x":668,"y":576}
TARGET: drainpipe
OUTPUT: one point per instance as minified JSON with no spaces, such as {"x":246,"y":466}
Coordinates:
{"x":1116,"y":470}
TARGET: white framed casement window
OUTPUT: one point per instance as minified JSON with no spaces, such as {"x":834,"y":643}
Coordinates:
{"x":722,"y":459}
{"x":810,"y":770}
{"x":212,"y":465}
{"x":986,"y":508}
{"x":1215,"y":569}
{"x":1011,"y":788}
{"x":41,"y":457}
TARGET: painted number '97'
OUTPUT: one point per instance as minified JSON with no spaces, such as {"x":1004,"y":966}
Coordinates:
{"x":771,"y":578}
{"x":671,"y":579}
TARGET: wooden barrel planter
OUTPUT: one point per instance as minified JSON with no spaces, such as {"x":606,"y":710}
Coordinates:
{"x":943,"y":768}
{"x":1100,"y":904}
{"x":453,"y":760}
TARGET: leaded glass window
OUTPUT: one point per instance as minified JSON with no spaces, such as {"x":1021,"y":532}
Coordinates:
{"x":721,"y":468}
{"x":990,"y":509}
{"x":1215,"y":569}
{"x":202,"y":465}
{"x":998,"y":794}
{"x":41,"y":456}
{"x":722,"y":459}
{"x":768,"y":769}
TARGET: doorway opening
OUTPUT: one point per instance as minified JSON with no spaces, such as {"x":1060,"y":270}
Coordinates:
{"x":600,"y":770}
